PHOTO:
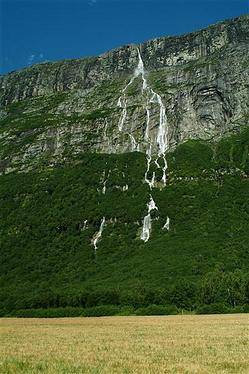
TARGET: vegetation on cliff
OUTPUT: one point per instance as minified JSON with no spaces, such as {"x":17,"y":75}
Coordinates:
{"x":82,"y":142}
{"x":48,"y":260}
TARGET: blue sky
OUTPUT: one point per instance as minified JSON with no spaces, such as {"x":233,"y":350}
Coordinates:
{"x":38,"y":30}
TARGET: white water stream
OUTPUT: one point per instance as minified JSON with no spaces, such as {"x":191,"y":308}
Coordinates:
{"x":84,"y":225}
{"x":147,"y":222}
{"x":134,"y":144}
{"x":162,"y":133}
{"x":98,"y":234}
{"x":162,"y":140}
{"x":105,"y":180}
{"x":166,"y":225}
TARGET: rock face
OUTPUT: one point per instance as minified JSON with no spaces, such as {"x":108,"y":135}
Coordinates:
{"x":53,"y":111}
{"x":87,"y":147}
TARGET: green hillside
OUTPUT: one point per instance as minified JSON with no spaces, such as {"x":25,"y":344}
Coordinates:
{"x":48,"y":260}
{"x":82,"y":142}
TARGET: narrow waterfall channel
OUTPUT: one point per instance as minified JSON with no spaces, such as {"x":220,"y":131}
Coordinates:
{"x":98,"y":235}
{"x":147,"y":222}
{"x":162,"y":139}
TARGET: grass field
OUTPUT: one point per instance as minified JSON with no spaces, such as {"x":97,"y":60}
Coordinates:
{"x":170,"y":344}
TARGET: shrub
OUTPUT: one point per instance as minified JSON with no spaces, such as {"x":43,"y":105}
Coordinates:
{"x":246,"y":308}
{"x":47,"y":313}
{"x":126,"y":310}
{"x":156,"y":310}
{"x":101,"y":310}
{"x":216,"y":308}
{"x":238,"y":309}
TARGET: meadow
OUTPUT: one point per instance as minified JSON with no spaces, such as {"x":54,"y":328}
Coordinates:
{"x":168,"y":344}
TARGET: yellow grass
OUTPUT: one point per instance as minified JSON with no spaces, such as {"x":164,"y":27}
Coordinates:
{"x":170,"y":344}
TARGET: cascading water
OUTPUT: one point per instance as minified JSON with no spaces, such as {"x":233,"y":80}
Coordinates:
{"x":166,"y":225}
{"x":162,"y":134}
{"x":104,"y":187}
{"x":162,"y":140}
{"x":104,"y":180}
{"x":84,"y":225}
{"x":146,"y":230}
{"x":134,"y":144}
{"x":149,"y":158}
{"x":98,"y":235}
{"x":122,"y":101}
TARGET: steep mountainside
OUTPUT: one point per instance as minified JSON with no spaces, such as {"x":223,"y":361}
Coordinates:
{"x":124,"y":177}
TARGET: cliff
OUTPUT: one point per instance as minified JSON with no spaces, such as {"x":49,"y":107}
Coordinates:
{"x":54,"y":110}
{"x":125,"y":177}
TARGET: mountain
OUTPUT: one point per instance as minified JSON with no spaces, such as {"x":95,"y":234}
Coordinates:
{"x":124,"y":177}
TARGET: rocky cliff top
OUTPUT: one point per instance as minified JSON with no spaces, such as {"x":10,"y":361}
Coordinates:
{"x":128,"y":172}
{"x":147,"y":98}
{"x":52,"y":77}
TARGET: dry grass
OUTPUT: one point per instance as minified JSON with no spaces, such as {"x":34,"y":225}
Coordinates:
{"x":170,"y":344}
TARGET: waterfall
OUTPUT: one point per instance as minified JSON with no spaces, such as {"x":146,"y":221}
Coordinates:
{"x":151,"y":182}
{"x":122,"y":103}
{"x":84,"y":225}
{"x":122,"y":100}
{"x":104,"y":180}
{"x":147,"y":222}
{"x":98,"y":234}
{"x":162,"y":134}
{"x":162,"y":140}
{"x":166,"y":225}
{"x":104,"y":187}
{"x":134,"y":144}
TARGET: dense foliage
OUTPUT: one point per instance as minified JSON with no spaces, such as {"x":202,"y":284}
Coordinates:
{"x":201,"y":264}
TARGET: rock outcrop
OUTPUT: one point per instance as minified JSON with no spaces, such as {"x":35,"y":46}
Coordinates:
{"x":53,"y":111}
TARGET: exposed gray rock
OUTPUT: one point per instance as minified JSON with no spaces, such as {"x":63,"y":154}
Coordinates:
{"x":54,"y":111}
